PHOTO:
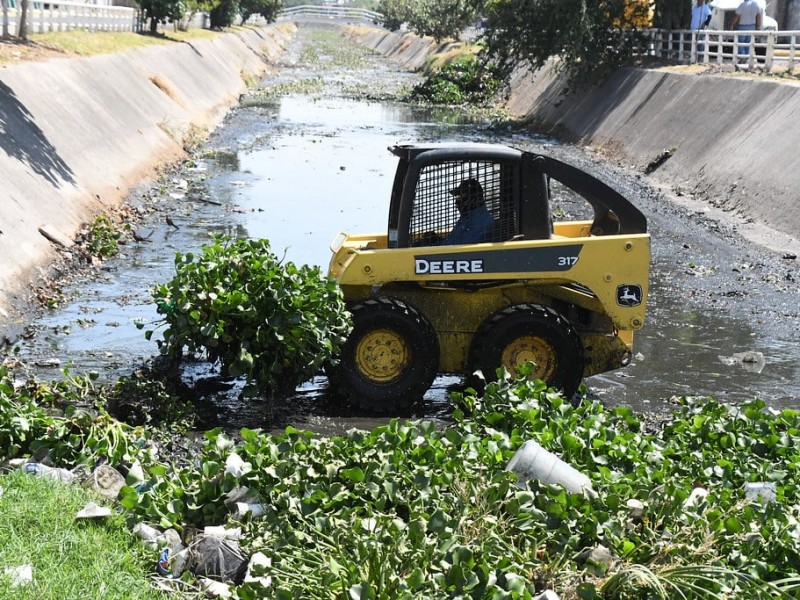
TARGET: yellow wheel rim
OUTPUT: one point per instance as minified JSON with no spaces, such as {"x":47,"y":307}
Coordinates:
{"x":530,"y":349}
{"x":382,"y":356}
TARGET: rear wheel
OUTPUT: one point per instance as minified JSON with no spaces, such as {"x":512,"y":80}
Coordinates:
{"x":529,"y":333}
{"x":390,"y":358}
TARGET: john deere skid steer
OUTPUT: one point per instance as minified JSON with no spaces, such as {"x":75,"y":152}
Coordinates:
{"x":565,"y":295}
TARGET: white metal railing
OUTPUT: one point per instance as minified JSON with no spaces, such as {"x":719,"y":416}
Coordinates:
{"x":765,"y":49}
{"x":340,"y":13}
{"x":65,"y":16}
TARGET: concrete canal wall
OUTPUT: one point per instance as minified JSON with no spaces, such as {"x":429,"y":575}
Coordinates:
{"x":733,"y":142}
{"x":77,"y":134}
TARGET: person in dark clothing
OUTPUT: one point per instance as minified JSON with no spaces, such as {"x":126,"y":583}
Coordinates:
{"x":474,"y":224}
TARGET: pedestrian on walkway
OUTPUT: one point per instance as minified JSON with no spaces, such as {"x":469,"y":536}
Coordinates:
{"x":701,"y":16}
{"x":749,"y":17}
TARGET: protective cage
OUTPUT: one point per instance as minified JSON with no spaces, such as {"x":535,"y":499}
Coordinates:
{"x":435,"y":213}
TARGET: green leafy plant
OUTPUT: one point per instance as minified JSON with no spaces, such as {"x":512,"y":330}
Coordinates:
{"x":412,"y":509}
{"x":81,"y":433}
{"x":588,"y":39}
{"x":103,"y":236}
{"x":465,"y":80}
{"x":273,"y":322}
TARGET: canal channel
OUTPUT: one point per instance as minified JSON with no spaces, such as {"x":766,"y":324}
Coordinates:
{"x":304,"y":156}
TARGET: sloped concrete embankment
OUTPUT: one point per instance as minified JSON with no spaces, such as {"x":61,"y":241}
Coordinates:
{"x":409,"y":50}
{"x":77,"y":134}
{"x":730,"y":141}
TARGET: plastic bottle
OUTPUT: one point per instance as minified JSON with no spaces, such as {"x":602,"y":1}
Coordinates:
{"x":40,"y":470}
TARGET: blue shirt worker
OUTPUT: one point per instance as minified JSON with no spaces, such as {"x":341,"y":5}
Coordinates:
{"x":474,"y":224}
{"x":701,"y":15}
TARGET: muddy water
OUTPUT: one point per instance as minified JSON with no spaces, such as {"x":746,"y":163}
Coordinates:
{"x":304,"y":158}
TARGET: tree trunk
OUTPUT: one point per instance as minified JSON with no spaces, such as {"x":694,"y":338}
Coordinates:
{"x":5,"y":19}
{"x":22,"y":24}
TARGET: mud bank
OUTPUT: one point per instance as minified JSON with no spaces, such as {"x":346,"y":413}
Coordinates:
{"x":721,"y":139}
{"x":77,"y":134}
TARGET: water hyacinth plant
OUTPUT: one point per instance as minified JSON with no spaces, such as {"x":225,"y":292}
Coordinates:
{"x":275,"y":323}
{"x":411,"y":509}
{"x":408,"y":510}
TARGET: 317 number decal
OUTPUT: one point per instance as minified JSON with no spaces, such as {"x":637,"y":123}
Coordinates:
{"x":567,"y":261}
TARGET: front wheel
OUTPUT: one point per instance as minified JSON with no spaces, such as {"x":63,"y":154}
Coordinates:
{"x":390,"y":358}
{"x":529,"y":333}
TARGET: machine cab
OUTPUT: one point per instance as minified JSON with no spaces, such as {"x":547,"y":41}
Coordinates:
{"x":514,"y":188}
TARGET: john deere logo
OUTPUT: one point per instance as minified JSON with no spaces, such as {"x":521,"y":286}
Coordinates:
{"x":629,"y":295}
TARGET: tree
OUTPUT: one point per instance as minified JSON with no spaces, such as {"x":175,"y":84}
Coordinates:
{"x":224,"y":14}
{"x":269,"y":9}
{"x":672,"y":14}
{"x":395,"y":13}
{"x":162,"y":11}
{"x":439,"y":19}
{"x":193,"y":7}
{"x":589,"y":37}
{"x":22,"y":24}
{"x":5,"y":19}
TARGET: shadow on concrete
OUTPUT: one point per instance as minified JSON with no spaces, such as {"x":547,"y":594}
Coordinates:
{"x":22,"y":140}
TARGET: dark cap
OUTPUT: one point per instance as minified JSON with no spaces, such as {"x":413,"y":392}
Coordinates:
{"x":469,"y":188}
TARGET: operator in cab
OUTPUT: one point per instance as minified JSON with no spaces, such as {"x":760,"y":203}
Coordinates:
{"x":474,"y":224}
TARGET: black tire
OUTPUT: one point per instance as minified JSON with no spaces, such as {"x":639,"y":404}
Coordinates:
{"x":389,"y":360}
{"x":530,"y":333}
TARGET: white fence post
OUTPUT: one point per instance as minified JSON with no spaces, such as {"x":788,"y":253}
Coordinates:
{"x":66,"y":16}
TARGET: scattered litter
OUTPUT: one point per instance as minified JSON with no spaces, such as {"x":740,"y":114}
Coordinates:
{"x":241,"y":494}
{"x":761,"y":492}
{"x":234,"y":465}
{"x":257,"y":570}
{"x":658,"y":161}
{"x":55,"y":236}
{"x":19,"y":575}
{"x":162,"y":565}
{"x":92,"y":511}
{"x":698,"y":495}
{"x":40,"y":470}
{"x":150,"y":536}
{"x":47,"y":362}
{"x":534,"y":462}
{"x":222,"y":532}
{"x":252,"y":510}
{"x":219,"y":559}
{"x":216,"y":589}
{"x":599,"y":557}
{"x":173,"y":564}
{"x":106,"y":480}
{"x":751,"y":361}
{"x":636,"y":508}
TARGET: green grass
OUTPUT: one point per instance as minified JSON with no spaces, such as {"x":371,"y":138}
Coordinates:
{"x":83,"y":42}
{"x":71,"y":559}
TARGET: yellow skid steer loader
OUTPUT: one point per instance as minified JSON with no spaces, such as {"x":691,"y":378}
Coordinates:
{"x":474,"y":274}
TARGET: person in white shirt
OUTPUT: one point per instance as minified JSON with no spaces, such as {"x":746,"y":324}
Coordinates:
{"x":749,"y":17}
